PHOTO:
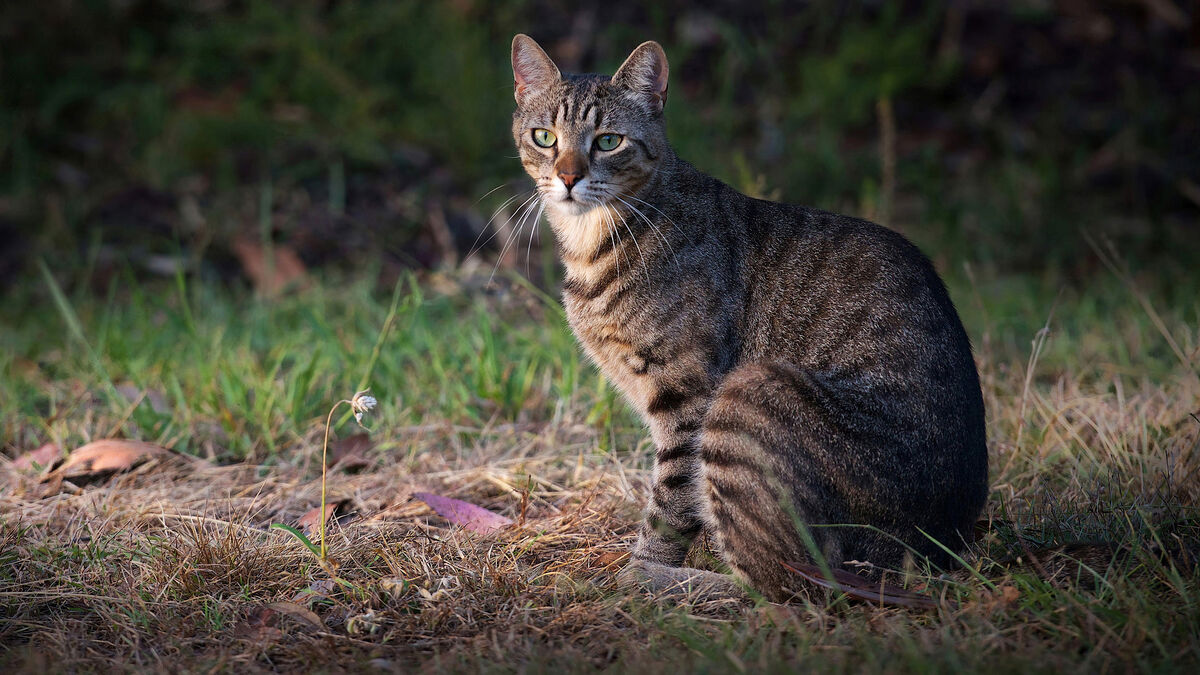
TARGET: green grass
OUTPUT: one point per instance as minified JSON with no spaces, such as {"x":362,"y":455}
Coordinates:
{"x":485,"y":395}
{"x":258,"y":373}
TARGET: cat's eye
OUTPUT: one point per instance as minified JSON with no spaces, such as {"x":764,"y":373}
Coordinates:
{"x":544,"y":137}
{"x":608,"y":142}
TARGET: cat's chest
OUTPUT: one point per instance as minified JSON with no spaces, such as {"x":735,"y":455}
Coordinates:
{"x":623,"y":348}
{"x":614,"y":346}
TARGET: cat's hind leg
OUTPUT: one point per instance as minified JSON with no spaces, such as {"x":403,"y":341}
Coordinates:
{"x":768,"y":478}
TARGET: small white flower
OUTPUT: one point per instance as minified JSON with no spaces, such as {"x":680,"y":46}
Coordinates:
{"x":361,"y":404}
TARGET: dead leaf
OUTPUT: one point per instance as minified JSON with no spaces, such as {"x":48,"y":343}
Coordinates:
{"x":259,"y":626}
{"x":295,"y":611}
{"x":471,"y":517}
{"x":322,"y":588}
{"x":1008,"y":594}
{"x":311,"y":521}
{"x":857,"y":587}
{"x":39,"y":460}
{"x":396,"y":587}
{"x":610,"y":560}
{"x":271,"y":273}
{"x":350,"y":454}
{"x":107,"y":455}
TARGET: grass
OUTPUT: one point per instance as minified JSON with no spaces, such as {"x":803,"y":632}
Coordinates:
{"x":484,"y":396}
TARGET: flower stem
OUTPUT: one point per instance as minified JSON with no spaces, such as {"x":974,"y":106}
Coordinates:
{"x":324,"y":470}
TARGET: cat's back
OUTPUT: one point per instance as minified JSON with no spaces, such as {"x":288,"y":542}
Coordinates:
{"x":844,"y":296}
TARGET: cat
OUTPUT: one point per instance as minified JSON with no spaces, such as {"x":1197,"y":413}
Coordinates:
{"x":807,"y":382}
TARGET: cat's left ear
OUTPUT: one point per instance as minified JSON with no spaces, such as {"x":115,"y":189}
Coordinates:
{"x":645,"y":72}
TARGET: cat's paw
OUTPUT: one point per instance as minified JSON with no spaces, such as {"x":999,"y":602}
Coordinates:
{"x":679,"y":583}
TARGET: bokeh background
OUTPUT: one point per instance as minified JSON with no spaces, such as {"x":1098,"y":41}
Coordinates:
{"x":145,"y":138}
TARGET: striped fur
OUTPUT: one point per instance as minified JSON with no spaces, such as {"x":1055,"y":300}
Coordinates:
{"x":797,"y":369}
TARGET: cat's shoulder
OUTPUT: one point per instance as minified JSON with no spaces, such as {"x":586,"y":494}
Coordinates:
{"x":852,"y":234}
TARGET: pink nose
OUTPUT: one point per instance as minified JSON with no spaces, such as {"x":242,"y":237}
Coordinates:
{"x":569,"y":179}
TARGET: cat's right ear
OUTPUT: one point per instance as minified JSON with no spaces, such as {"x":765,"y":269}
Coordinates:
{"x":532,"y":68}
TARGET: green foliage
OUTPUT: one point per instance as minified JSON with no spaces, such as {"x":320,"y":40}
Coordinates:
{"x":179,"y":89}
{"x":249,"y":377}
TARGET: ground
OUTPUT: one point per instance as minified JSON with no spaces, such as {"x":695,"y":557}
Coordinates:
{"x":484,"y":397}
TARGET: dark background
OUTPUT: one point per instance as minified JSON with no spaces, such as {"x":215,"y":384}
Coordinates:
{"x":145,"y":138}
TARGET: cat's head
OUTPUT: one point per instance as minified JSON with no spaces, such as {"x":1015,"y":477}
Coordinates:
{"x":589,"y":140}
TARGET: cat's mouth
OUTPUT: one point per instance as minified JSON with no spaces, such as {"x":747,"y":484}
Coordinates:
{"x":576,"y":201}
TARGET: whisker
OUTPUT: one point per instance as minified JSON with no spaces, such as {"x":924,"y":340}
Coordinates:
{"x":489,"y":192}
{"x":611,"y":226}
{"x":516,"y":234}
{"x":669,"y":220}
{"x":653,"y":227}
{"x":632,"y":236}
{"x":536,"y":227}
{"x":476,"y":246}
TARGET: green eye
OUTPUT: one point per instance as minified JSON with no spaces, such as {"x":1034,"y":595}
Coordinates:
{"x":607,"y":142}
{"x":544,"y":137}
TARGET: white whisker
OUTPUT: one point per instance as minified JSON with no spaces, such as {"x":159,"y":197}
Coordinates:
{"x":632,"y":236}
{"x":476,"y":246}
{"x":516,"y":233}
{"x":653,"y":227}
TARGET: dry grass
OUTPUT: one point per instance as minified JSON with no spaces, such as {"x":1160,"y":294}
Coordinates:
{"x":172,"y":566}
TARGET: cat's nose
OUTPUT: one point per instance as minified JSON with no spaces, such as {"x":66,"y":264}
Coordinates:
{"x":569,"y":179}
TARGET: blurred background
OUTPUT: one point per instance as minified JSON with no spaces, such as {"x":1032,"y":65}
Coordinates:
{"x":152,"y":139}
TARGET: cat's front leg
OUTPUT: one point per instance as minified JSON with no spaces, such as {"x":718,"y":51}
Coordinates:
{"x":673,"y":516}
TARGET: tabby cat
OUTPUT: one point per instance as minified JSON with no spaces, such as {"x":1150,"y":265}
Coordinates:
{"x":803,"y":374}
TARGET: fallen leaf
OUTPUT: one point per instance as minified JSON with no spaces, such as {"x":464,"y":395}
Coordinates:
{"x":350,"y":454}
{"x":1008,"y":594}
{"x":471,"y":517}
{"x":107,"y":455}
{"x":396,"y":587}
{"x":297,"y":612}
{"x":311,"y":521}
{"x":857,"y":587}
{"x":271,"y":272}
{"x":322,"y":588}
{"x":609,"y":560}
{"x":259,"y":626}
{"x":39,"y":459}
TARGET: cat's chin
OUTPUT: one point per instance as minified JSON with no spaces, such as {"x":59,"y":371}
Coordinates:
{"x":571,"y":207}
{"x":580,"y":226}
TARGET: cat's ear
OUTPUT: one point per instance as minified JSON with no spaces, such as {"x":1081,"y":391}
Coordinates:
{"x":532,"y":69}
{"x":645,"y":72}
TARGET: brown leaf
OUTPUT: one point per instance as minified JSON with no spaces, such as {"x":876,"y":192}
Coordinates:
{"x":1008,"y":595}
{"x":107,"y":455}
{"x":471,"y":517}
{"x":40,"y":459}
{"x":857,"y":587}
{"x":610,"y":560}
{"x":259,"y":626}
{"x":310,"y":522}
{"x":295,"y":611}
{"x":270,"y":273}
{"x":350,"y":454}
